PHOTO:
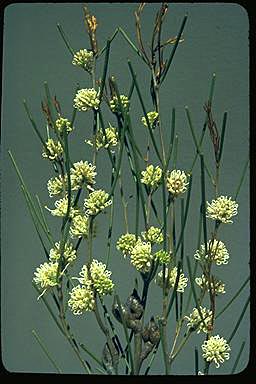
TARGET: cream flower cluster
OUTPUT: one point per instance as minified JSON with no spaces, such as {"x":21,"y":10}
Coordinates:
{"x":216,"y":350}
{"x":86,"y":99}
{"x":141,"y":257}
{"x":97,"y":279}
{"x":96,"y":202}
{"x":100,"y":277}
{"x":171,"y":278}
{"x":126,"y":243}
{"x":196,"y":322}
{"x":114,"y":103}
{"x":152,"y":176}
{"x":108,"y":139}
{"x":82,"y":172}
{"x":162,"y":256}
{"x":177,"y":182}
{"x":216,"y":252}
{"x":217,"y":286}
{"x":63,"y":124}
{"x":83,"y":58}
{"x":54,"y":149}
{"x":152,"y":118}
{"x":56,"y":185}
{"x":222,"y":209}
{"x":153,"y":235}
{"x":81,"y":300}
{"x":45,"y":275}
{"x":61,"y":208}
{"x":79,"y":226}
{"x":69,"y":253}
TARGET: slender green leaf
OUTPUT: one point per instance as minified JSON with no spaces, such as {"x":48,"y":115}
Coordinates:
{"x":34,"y":126}
{"x":239,"y":320}
{"x":136,"y":50}
{"x":241,"y":179}
{"x":174,"y":288}
{"x":194,"y":291}
{"x":45,"y":350}
{"x":98,"y":361}
{"x":199,"y":152}
{"x":48,"y":307}
{"x":174,"y":49}
{"x":35,"y":222}
{"x":185,"y":215}
{"x":170,"y":148}
{"x":144,"y":112}
{"x":234,"y":297}
{"x":60,"y":29}
{"x":238,"y":358}
{"x":31,"y":206}
{"x":105,"y":69}
{"x":222,"y":136}
{"x":105,"y":46}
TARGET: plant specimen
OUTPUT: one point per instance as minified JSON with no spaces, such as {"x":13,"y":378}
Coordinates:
{"x":132,"y":334}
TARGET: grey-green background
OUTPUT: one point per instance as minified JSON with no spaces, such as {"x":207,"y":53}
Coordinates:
{"x":216,"y":40}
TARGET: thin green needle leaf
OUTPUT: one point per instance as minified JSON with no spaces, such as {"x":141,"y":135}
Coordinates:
{"x":60,"y":29}
{"x":194,"y":291}
{"x":242,"y":179}
{"x":48,"y":307}
{"x":212,"y":88}
{"x":34,"y":125}
{"x":105,"y":47}
{"x":164,"y":212}
{"x":124,"y":34}
{"x":234,"y":297}
{"x":144,"y":112}
{"x":49,"y":102}
{"x":91,"y":354}
{"x":42,"y":215}
{"x":35,"y":223}
{"x":170,"y":148}
{"x":199,"y":152}
{"x":185,"y":215}
{"x":174,"y":49}
{"x":28,"y":196}
{"x":45,"y":350}
{"x":74,"y":109}
{"x":238,"y":358}
{"x":222,"y":136}
{"x":239,"y":320}
{"x":203,"y":201}
{"x":105,"y":69}
{"x":175,"y":150}
{"x":174,"y":288}
{"x":138,"y":175}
